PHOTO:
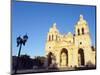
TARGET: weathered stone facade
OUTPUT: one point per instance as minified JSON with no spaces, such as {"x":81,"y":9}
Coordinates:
{"x":72,"y":49}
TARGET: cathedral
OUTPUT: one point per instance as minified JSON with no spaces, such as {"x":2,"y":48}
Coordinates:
{"x":70,"y":50}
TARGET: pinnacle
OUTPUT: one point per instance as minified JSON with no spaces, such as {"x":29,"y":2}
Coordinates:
{"x":81,"y":17}
{"x":54,"y":25}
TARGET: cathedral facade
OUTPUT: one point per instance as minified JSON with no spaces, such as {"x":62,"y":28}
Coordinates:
{"x":70,"y":50}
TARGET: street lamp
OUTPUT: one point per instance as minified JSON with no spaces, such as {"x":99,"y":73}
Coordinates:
{"x":20,"y":42}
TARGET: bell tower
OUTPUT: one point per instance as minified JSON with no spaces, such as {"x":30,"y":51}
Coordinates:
{"x":52,"y":38}
{"x":53,"y":33}
{"x":82,"y":35}
{"x":83,"y":42}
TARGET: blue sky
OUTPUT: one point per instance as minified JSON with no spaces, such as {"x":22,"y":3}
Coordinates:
{"x":35,"y":19}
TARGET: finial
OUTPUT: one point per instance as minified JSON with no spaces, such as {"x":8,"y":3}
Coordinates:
{"x":54,"y":25}
{"x":81,"y":17}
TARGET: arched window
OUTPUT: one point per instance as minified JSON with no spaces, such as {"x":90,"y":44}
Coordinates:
{"x":52,"y":37}
{"x":78,"y":32}
{"x":82,"y":30}
{"x":56,"y":37}
{"x":49,"y":38}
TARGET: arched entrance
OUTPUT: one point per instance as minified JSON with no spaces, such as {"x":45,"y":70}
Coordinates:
{"x":81,"y":60}
{"x":64,"y":57}
{"x":51,"y":58}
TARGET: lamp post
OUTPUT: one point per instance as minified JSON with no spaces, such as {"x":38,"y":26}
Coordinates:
{"x":20,"y":42}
